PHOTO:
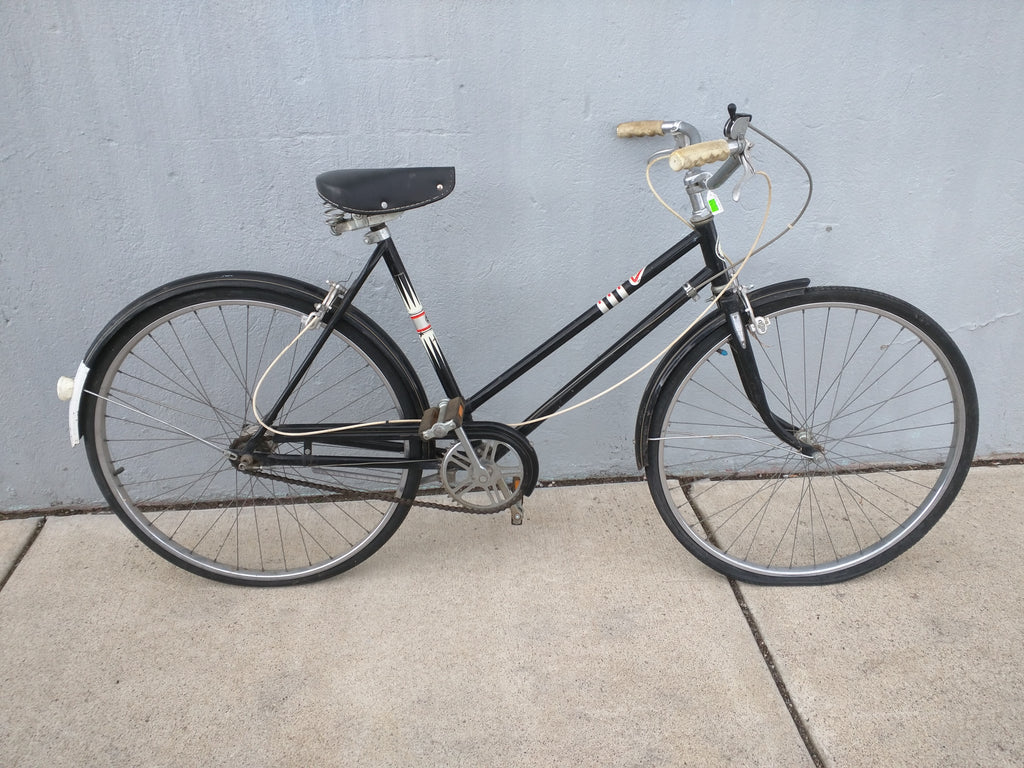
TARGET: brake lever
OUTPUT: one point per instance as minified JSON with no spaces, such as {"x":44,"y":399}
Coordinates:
{"x":748,"y":172}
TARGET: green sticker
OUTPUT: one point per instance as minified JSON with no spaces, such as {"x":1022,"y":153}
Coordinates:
{"x":713,"y":204}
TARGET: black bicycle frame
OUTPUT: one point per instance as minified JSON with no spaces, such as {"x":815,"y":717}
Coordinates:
{"x":389,"y":437}
{"x":713,"y":272}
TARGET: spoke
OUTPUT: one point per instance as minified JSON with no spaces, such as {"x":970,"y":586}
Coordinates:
{"x":821,"y":364}
{"x":816,"y":504}
{"x":171,"y":427}
{"x":879,"y":455}
{"x":180,"y":490}
{"x":186,"y":396}
{"x":898,"y":395}
{"x":125,"y":396}
{"x":298,"y":404}
{"x":847,"y":357}
{"x":238,"y":375}
{"x":195,"y":380}
{"x":315,"y":508}
{"x":859,"y":389}
{"x":174,"y":444}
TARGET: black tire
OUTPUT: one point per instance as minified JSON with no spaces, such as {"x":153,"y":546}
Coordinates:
{"x":876,"y":383}
{"x":174,"y":386}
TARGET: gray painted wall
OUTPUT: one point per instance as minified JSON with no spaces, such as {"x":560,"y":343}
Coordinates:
{"x":140,"y":142}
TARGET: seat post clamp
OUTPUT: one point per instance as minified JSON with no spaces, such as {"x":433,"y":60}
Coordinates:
{"x":377,"y":235}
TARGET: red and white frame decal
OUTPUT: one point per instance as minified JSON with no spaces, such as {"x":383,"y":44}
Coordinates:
{"x":419,"y":319}
{"x":620,"y":293}
{"x":418,"y":315}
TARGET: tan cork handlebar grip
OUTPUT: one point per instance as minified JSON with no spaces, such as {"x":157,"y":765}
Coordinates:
{"x":638,"y":128}
{"x":699,"y":154}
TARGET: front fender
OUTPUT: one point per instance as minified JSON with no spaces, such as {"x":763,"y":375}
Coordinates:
{"x":84,"y":380}
{"x":682,"y":347}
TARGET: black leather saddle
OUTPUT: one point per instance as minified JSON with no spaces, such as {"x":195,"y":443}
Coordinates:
{"x":365,"y":192}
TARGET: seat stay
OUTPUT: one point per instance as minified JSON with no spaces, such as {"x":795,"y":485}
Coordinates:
{"x":334,"y":319}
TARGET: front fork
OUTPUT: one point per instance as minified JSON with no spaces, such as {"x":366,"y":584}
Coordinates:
{"x":737,"y":308}
{"x":741,"y":316}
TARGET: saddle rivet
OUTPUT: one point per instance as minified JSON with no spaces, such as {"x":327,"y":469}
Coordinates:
{"x":384,"y":204}
{"x":440,"y":187}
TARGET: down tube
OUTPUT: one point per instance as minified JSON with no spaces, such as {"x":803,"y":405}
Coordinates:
{"x":594,"y":313}
{"x":632,"y":337}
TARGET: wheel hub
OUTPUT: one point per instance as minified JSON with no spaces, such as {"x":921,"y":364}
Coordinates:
{"x":807,"y":437}
{"x":246,"y":462}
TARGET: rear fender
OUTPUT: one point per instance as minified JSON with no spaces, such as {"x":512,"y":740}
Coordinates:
{"x":708,"y":325}
{"x":88,"y":374}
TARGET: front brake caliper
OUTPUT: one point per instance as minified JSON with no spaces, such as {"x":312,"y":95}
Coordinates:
{"x":755,"y":323}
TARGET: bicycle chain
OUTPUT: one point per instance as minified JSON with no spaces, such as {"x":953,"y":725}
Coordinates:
{"x":348,"y":494}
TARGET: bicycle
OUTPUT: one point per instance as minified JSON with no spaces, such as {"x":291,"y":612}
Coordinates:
{"x":791,"y":435}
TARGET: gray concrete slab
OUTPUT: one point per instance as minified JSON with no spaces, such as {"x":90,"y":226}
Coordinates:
{"x":588,"y":636}
{"x":14,"y":535}
{"x":919,"y":663}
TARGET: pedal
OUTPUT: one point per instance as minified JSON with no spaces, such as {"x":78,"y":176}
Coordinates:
{"x":442,"y":419}
{"x":517,"y":508}
{"x":517,"y":513}
{"x":428,"y":421}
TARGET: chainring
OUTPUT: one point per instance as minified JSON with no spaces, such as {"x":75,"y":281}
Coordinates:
{"x":502,"y":471}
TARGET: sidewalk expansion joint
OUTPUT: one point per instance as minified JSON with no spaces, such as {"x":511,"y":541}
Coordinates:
{"x":773,"y":670}
{"x":24,"y":551}
{"x":65,"y":511}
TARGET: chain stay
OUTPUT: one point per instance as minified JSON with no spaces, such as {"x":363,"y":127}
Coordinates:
{"x":347,"y":494}
{"x":478,"y":431}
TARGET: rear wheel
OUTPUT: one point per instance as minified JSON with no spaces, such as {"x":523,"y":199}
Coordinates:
{"x":170,"y":398}
{"x":878,"y":386}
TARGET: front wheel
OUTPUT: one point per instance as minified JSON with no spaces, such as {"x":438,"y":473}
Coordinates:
{"x":876,"y":385}
{"x":170,"y":397}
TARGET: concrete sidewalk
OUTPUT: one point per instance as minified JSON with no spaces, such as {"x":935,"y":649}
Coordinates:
{"x":588,"y":636}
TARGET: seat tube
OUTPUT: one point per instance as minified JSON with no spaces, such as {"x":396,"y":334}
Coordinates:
{"x":418,"y":315}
